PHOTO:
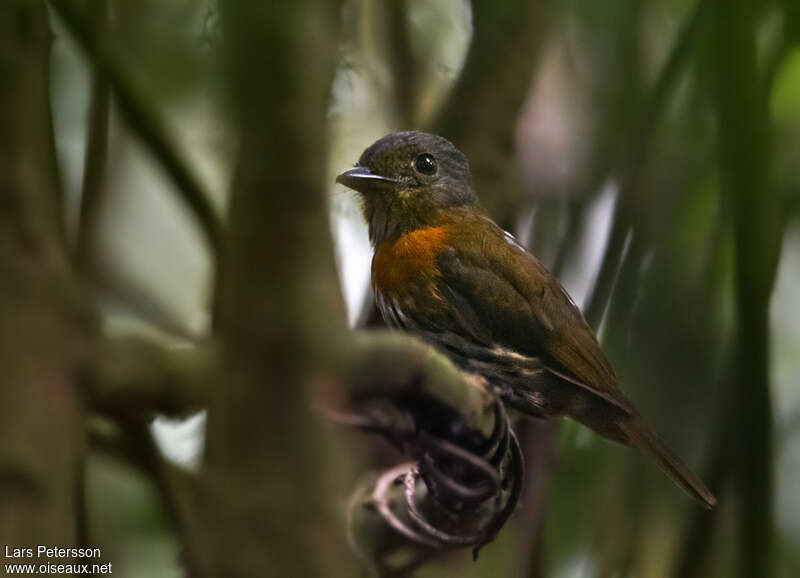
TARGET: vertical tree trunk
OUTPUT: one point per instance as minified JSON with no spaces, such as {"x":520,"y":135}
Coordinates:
{"x":43,"y":335}
{"x":279,"y":310}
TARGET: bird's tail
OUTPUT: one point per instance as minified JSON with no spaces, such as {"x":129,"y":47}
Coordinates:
{"x":641,"y":436}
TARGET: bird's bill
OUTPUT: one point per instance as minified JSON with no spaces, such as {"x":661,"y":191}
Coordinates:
{"x":363,"y":180}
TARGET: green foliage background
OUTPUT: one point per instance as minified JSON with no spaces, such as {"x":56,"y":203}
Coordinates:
{"x":662,"y":134}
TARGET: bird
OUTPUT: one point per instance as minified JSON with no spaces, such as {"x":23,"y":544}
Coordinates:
{"x":443,"y":270}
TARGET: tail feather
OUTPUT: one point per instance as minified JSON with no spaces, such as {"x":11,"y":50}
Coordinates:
{"x":640,"y":435}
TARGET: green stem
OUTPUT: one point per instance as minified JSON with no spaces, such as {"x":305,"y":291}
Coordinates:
{"x":744,"y":140}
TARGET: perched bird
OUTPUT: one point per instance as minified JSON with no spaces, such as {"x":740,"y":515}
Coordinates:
{"x":444,"y":270}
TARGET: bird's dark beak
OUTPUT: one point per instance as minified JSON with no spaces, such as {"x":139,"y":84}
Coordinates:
{"x":363,"y":180}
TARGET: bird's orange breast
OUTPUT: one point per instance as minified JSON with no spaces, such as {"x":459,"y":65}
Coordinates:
{"x":408,"y":261}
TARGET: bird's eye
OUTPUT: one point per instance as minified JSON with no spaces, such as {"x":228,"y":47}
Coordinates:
{"x":425,"y":164}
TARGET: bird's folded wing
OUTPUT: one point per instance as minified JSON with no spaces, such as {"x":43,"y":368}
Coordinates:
{"x":505,"y":295}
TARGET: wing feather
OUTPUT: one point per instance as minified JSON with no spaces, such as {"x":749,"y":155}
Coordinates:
{"x":516,"y":303}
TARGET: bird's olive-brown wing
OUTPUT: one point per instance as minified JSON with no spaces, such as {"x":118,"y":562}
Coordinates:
{"x":506,"y":295}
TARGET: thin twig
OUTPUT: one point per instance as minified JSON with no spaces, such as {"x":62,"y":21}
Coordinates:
{"x":173,"y":499}
{"x":94,"y":167}
{"x":92,"y":189}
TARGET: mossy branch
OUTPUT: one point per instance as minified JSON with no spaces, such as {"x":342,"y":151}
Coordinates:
{"x":136,"y":378}
{"x":468,"y":473}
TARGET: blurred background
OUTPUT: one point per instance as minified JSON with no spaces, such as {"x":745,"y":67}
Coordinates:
{"x":646,"y":150}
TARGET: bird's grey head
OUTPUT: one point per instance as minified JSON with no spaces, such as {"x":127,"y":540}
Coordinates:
{"x":405,"y":178}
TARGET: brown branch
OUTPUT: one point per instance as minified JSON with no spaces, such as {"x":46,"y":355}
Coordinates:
{"x":481,"y":112}
{"x":539,"y":444}
{"x":94,"y":168}
{"x":91,"y":201}
{"x":93,"y":172}
{"x":405,"y":69}
{"x":142,"y":119}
